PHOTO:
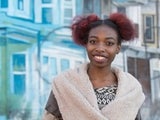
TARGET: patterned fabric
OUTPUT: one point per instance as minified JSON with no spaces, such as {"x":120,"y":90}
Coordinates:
{"x":105,"y":95}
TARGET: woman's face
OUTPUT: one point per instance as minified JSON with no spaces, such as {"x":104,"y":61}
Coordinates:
{"x":102,"y":46}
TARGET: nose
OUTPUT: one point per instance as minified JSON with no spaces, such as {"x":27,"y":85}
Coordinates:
{"x":100,"y":48}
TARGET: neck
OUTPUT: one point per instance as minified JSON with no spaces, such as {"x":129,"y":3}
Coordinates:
{"x":101,"y":76}
{"x":98,"y":72}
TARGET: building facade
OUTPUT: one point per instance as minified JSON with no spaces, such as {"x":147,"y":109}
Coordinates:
{"x":35,"y":46}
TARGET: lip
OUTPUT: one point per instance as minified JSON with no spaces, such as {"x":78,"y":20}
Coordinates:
{"x":99,"y":58}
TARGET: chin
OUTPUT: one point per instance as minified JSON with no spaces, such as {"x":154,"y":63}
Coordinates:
{"x":100,"y":65}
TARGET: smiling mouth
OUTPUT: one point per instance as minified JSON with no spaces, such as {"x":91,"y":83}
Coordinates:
{"x":99,"y":58}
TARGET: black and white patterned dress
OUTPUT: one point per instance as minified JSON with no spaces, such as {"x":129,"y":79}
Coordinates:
{"x":105,"y":95}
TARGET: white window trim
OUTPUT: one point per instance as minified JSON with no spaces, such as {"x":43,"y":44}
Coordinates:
{"x":63,"y":7}
{"x":13,"y":9}
{"x":152,"y":40}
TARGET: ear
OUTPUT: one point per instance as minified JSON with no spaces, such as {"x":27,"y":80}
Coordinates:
{"x":118,"y":49}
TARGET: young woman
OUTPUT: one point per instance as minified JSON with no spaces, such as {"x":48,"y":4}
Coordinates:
{"x":97,"y":90}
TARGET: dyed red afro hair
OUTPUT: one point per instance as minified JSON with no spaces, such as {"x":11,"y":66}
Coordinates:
{"x":82,"y":24}
{"x":125,"y":26}
{"x":80,"y":28}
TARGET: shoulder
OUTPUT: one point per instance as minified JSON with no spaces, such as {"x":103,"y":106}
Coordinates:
{"x":127,"y":82}
{"x":125,"y":76}
{"x":120,"y":73}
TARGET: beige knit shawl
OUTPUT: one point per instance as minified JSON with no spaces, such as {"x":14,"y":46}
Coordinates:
{"x":77,"y":100}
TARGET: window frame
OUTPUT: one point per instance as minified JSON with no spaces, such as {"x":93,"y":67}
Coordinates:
{"x":148,"y":28}
{"x":20,"y":5}
{"x":46,"y":16}
{"x":20,"y":73}
{"x":3,"y":4}
{"x":67,"y":5}
{"x":88,"y":7}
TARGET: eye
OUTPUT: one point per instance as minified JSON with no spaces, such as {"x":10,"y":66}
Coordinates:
{"x":92,"y":41}
{"x":108,"y":43}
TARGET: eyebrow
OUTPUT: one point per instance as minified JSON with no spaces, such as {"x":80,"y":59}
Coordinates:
{"x":105,"y":38}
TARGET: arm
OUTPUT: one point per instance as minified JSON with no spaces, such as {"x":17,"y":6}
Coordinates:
{"x":52,"y":110}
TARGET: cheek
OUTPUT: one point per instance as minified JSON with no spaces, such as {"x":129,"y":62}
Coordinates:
{"x":113,"y":52}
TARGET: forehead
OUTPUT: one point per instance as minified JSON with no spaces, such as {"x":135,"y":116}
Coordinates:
{"x":103,"y":29}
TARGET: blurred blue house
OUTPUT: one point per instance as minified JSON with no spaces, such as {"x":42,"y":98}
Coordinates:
{"x":35,"y":46}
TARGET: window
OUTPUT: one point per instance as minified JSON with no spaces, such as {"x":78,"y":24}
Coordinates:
{"x":53,"y":66}
{"x":148,"y":28}
{"x":45,"y":60}
{"x":46,"y":1}
{"x":122,"y":10}
{"x":19,"y":84}
{"x":19,"y":73}
{"x":45,"y":68}
{"x":64,"y":64}
{"x":68,"y":11}
{"x":88,"y":6}
{"x":20,"y":9}
{"x":19,"y":62}
{"x":3,"y":3}
{"x":136,"y":30}
{"x":67,"y":15}
{"x":49,"y":67}
{"x":47,"y":15}
{"x":20,"y":5}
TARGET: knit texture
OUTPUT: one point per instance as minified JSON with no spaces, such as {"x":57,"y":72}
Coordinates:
{"x":77,"y":100}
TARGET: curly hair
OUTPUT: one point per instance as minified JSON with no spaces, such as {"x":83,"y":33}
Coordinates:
{"x":82,"y":25}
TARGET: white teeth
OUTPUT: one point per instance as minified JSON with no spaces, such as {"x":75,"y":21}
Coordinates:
{"x":99,"y":57}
